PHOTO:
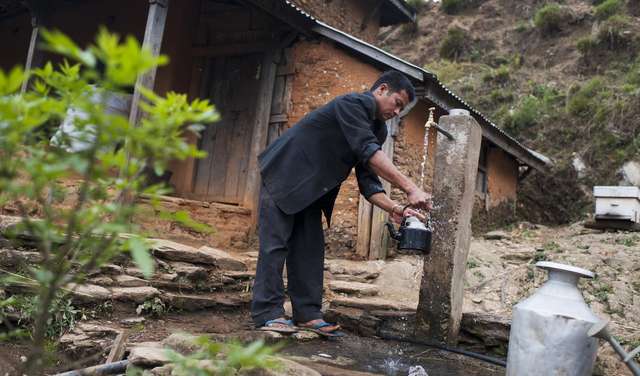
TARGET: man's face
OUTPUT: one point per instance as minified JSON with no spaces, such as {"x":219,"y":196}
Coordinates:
{"x":389,"y":104}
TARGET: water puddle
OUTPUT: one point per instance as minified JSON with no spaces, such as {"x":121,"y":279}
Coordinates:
{"x":389,"y":358}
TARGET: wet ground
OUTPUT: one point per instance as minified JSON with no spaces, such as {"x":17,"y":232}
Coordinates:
{"x":390,"y":358}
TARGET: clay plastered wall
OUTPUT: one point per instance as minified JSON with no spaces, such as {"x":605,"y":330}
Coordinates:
{"x":323,"y":72}
{"x":502,"y":177}
{"x":409,"y":149}
{"x":345,"y":15}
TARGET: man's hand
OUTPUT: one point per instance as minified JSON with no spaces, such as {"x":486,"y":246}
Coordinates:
{"x":419,"y":199}
{"x":396,"y":216}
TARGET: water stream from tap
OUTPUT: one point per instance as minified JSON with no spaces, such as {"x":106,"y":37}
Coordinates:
{"x":423,"y":166}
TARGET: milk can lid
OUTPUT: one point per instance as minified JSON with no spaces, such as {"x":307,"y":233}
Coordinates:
{"x":563,"y":267}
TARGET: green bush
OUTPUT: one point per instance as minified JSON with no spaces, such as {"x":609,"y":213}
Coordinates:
{"x":454,"y":44}
{"x":616,"y":32}
{"x":586,"y":100}
{"x":550,"y":18}
{"x":454,"y":6}
{"x":608,"y":8}
{"x":526,"y":114}
{"x":499,"y":76}
{"x":110,"y":166}
{"x":586,"y":45}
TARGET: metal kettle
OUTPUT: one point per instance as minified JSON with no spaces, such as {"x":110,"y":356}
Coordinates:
{"x":412,"y":234}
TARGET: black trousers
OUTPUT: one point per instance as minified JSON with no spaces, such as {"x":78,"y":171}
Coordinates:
{"x":297,"y":239}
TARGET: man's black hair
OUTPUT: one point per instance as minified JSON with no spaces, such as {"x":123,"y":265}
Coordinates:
{"x":396,"y":82}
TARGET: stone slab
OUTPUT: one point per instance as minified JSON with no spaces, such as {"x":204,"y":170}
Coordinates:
{"x":354,"y":288}
{"x":372,"y":304}
{"x":192,"y":302}
{"x":144,"y":356}
{"x":134,"y":294}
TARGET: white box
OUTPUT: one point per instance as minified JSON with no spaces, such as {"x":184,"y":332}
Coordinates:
{"x":617,"y":202}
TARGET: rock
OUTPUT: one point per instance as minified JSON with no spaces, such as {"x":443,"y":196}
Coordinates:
{"x":129,"y":281}
{"x":630,"y":173}
{"x":496,"y":235}
{"x":165,"y":370}
{"x":286,"y":367}
{"x":88,"y":293}
{"x":197,"y":302}
{"x":240,"y":275}
{"x":12,"y":257}
{"x":96,"y":330}
{"x":204,"y":255}
{"x":364,"y":270}
{"x":476,"y":300}
{"x":305,"y":336}
{"x":489,"y":330}
{"x":111,"y":269}
{"x":181,"y":342}
{"x":136,"y":272}
{"x":101,"y":281}
{"x":145,"y":356}
{"x":355,"y":288}
{"x":223,"y":260}
{"x":132,"y":321}
{"x":518,"y":256}
{"x":134,"y":294}
{"x":8,"y":222}
{"x":189,"y":271}
{"x":373,"y":304}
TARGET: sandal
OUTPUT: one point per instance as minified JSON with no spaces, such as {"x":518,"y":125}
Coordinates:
{"x":280,"y":326}
{"x":316,"y":328}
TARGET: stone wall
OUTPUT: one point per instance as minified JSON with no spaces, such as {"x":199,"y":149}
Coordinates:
{"x":345,"y":15}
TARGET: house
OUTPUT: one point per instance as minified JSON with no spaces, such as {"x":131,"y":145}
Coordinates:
{"x":265,"y":64}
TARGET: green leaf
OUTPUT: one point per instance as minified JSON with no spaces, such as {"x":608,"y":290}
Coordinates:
{"x":139,"y":249}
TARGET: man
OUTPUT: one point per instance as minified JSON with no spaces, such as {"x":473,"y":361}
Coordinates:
{"x":301,"y":176}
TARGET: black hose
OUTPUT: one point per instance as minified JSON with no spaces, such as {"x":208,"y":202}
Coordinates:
{"x":99,"y":370}
{"x":486,"y":358}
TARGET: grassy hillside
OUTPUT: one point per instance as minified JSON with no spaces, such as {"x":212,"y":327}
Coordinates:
{"x":563,"y":77}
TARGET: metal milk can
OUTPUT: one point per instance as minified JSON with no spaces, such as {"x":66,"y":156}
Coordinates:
{"x":549,"y":329}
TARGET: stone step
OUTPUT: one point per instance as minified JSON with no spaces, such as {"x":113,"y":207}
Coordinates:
{"x":354,"y":288}
{"x":372,"y":304}
{"x":173,"y":251}
{"x":192,"y":302}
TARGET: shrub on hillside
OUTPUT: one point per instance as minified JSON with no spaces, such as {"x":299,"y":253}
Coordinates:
{"x":453,"y":6}
{"x":608,"y":8}
{"x":499,"y":76}
{"x":586,"y":45}
{"x":525,"y":115}
{"x":585,"y":101}
{"x":617,"y":32}
{"x":550,"y":18}
{"x":454,"y":44}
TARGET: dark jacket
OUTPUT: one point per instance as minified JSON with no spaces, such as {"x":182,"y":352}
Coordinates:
{"x":309,"y":161}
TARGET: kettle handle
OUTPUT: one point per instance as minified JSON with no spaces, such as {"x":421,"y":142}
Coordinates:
{"x":392,"y":231}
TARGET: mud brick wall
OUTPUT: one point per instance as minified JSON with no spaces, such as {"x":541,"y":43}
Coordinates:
{"x":502,"y":177}
{"x":322,"y":72}
{"x":345,"y":15}
{"x":409,"y":149}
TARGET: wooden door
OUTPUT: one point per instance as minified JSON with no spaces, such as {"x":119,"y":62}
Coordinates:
{"x":233,"y":83}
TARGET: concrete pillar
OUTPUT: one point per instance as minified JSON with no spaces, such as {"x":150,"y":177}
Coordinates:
{"x":456,"y":164}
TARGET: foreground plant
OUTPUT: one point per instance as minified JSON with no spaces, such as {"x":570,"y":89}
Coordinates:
{"x":110,"y":158}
